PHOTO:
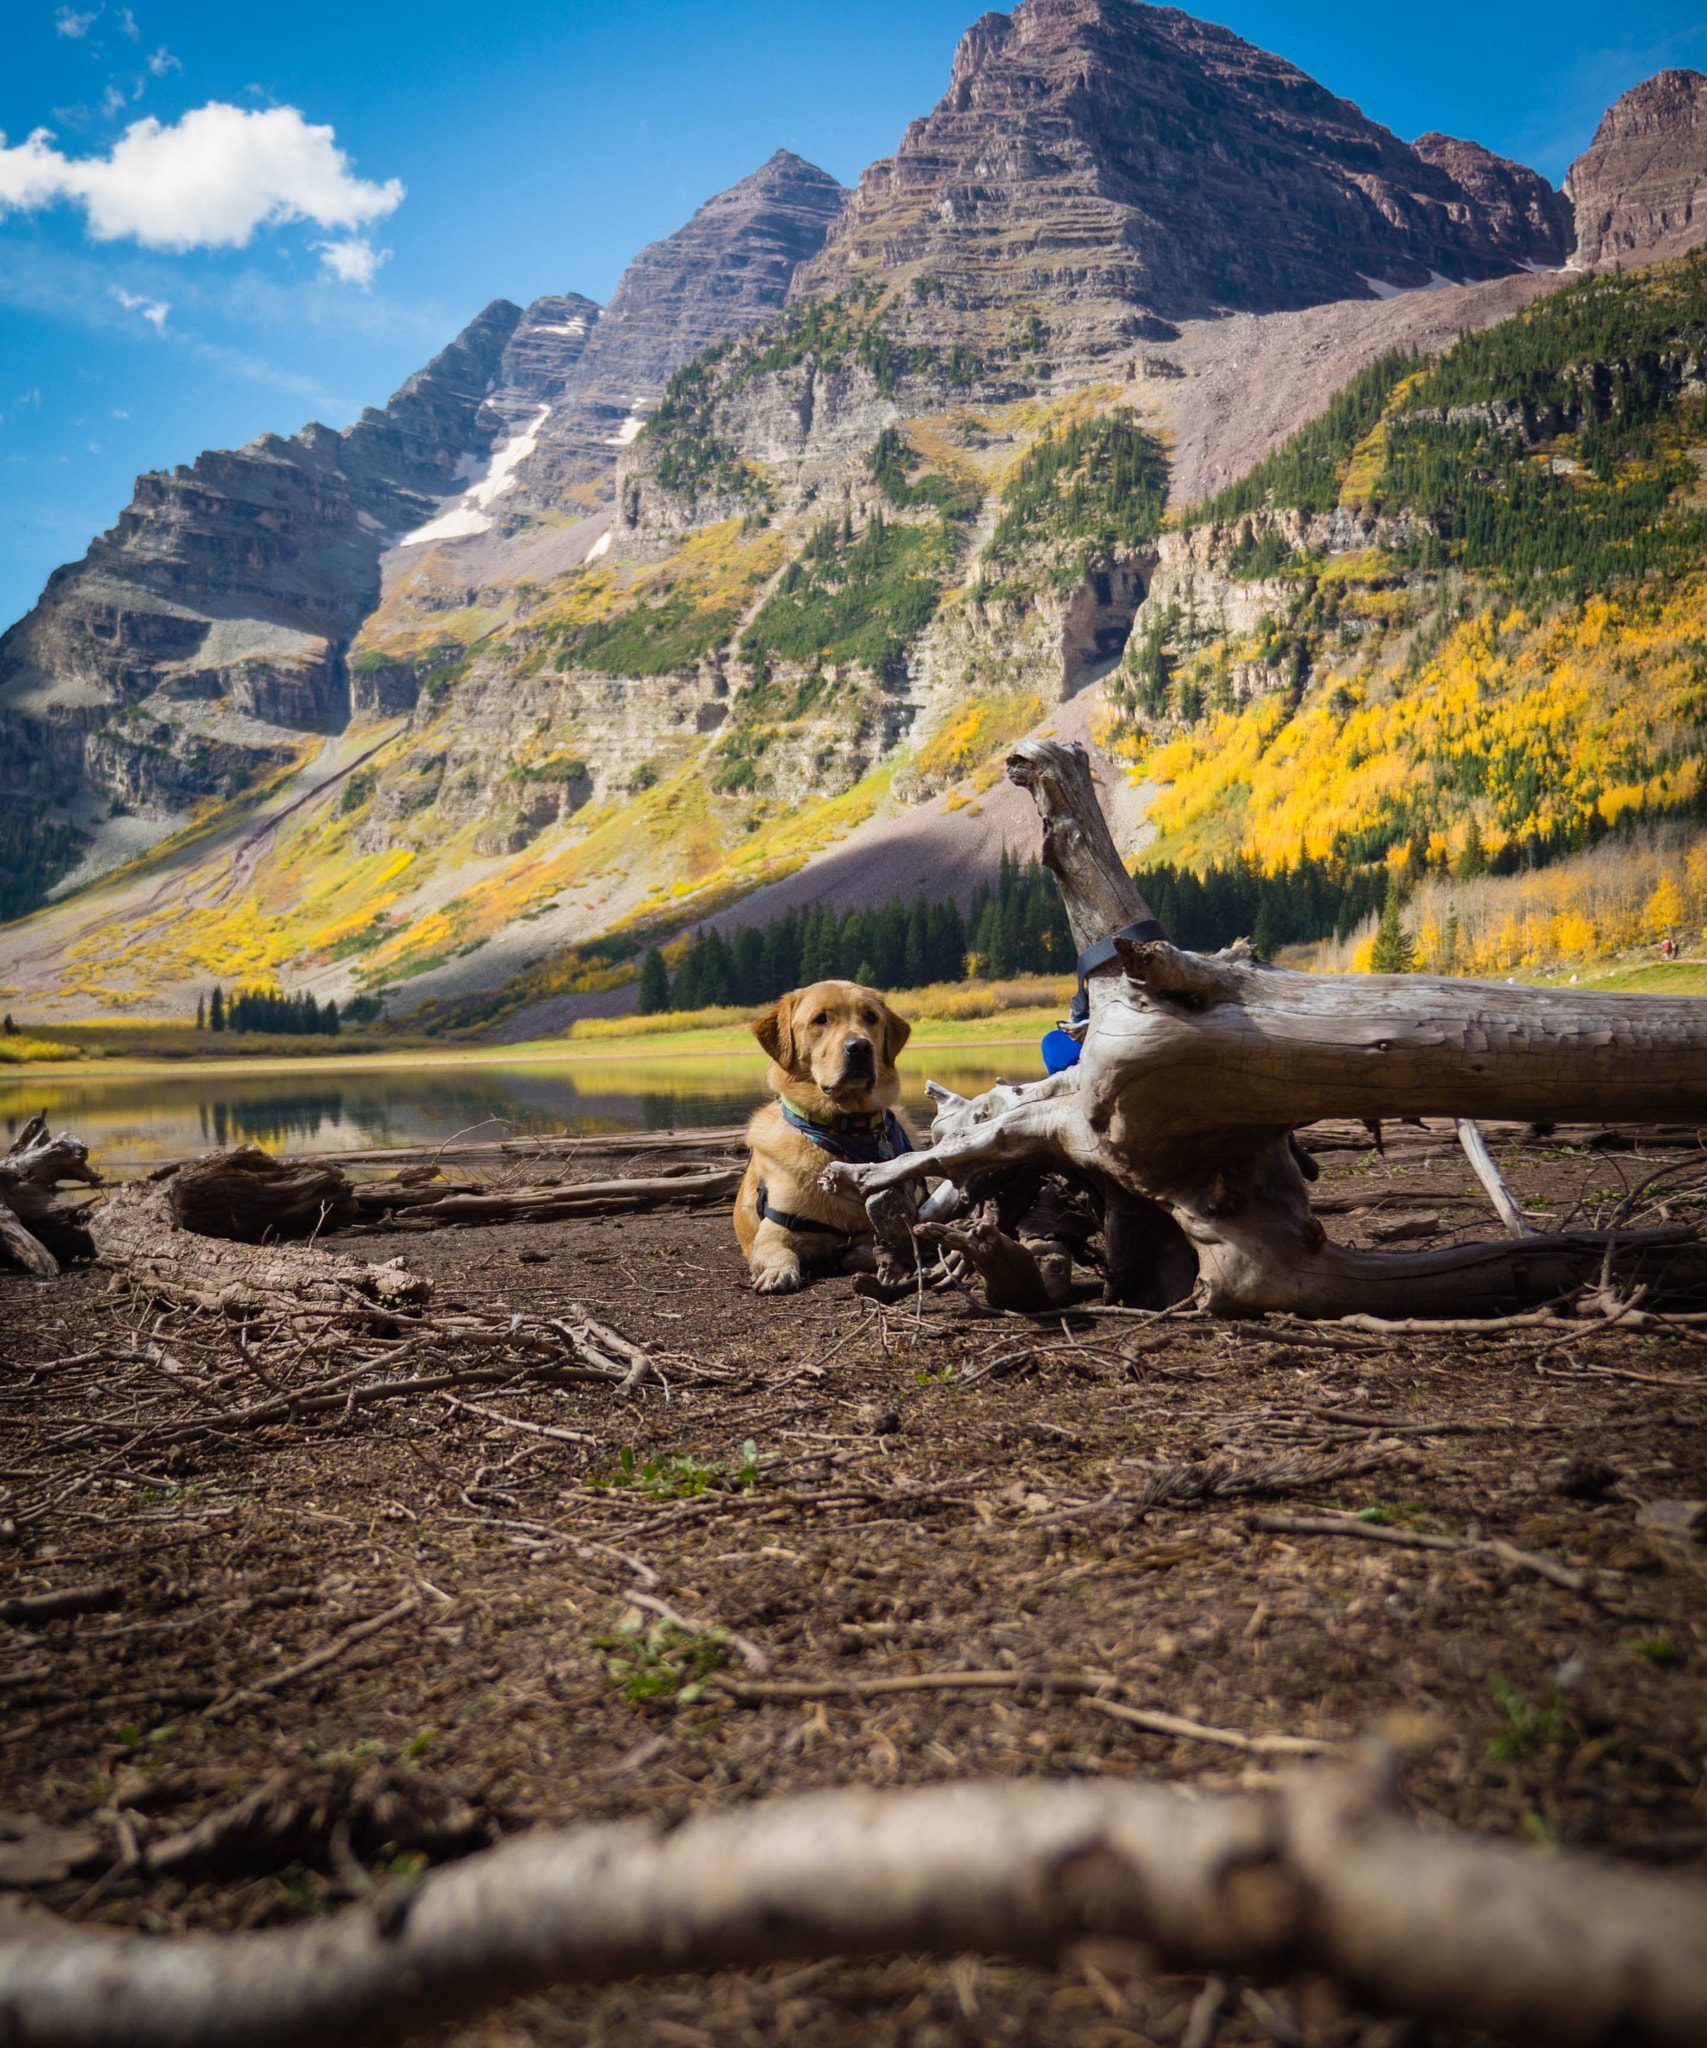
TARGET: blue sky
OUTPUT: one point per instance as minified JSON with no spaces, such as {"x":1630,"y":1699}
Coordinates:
{"x":158,"y":304}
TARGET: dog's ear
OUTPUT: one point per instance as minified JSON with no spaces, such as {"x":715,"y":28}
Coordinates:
{"x":775,"y":1030}
{"x":896,"y":1032}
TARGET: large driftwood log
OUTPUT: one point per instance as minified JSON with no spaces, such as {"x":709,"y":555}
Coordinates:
{"x":1321,"y":1875}
{"x":38,"y":1227}
{"x":422,"y":1197}
{"x":137,"y":1235}
{"x":1196,"y":1070}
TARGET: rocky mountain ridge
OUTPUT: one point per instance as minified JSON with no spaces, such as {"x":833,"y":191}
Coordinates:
{"x":874,"y":531}
{"x":1087,"y":160}
{"x":176,"y":661}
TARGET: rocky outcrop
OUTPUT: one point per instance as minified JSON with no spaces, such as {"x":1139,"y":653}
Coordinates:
{"x":233,"y":584}
{"x":1640,"y":188}
{"x":725,"y":272}
{"x":1098,"y":160}
{"x":1513,"y":205}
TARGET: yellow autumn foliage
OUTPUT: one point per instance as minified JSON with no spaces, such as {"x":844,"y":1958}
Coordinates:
{"x":1526,"y":724}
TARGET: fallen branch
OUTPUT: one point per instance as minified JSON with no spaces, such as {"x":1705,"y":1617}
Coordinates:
{"x":1417,"y":1539}
{"x":39,"y":1228}
{"x":262,"y":1689}
{"x":35,"y":1608}
{"x":138,"y":1236}
{"x":421,"y":1200}
{"x":1223,"y":1738}
{"x":1482,"y":1165}
{"x":1320,"y":1874}
{"x":1092,"y":1688}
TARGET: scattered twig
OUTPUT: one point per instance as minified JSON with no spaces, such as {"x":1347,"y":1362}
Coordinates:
{"x":262,"y":1688}
{"x":1417,"y":1539}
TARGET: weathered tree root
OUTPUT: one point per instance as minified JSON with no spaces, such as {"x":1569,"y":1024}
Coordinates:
{"x":1196,"y":1071}
{"x":137,"y":1236}
{"x":1322,"y":1874}
{"x":38,"y":1228}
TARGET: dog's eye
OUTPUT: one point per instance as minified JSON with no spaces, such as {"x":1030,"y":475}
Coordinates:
{"x":823,"y":1017}
{"x":868,"y":1016}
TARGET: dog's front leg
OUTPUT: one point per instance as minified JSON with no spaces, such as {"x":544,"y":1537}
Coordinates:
{"x":773,"y":1261}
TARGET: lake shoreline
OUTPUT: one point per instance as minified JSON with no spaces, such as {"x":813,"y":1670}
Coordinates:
{"x":718,"y":1043}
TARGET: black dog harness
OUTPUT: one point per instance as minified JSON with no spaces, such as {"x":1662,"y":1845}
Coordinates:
{"x":861,"y":1140}
{"x":1100,"y":952}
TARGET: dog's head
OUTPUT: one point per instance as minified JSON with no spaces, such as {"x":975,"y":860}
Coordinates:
{"x":833,"y":1046}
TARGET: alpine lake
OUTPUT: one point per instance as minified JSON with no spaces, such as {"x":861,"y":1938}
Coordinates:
{"x":135,"y":1118}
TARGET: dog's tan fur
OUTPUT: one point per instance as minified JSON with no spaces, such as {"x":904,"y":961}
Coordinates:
{"x":833,"y":1049}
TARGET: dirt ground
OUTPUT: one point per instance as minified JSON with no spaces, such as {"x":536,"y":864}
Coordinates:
{"x":832,"y":1493}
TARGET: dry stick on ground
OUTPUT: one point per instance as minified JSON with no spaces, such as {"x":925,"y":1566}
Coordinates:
{"x":1482,"y":1165}
{"x":258,"y":1693}
{"x":1416,"y":1539}
{"x":1090,"y":1687}
{"x":1319,"y":1874}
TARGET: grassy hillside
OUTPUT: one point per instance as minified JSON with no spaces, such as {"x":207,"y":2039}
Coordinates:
{"x":1511,"y":669}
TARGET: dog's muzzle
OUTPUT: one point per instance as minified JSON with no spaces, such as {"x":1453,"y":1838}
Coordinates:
{"x":859,"y":1061}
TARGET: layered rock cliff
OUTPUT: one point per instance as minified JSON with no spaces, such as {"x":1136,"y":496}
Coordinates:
{"x":1640,"y":188}
{"x":177,"y":658}
{"x":1096,"y":160}
{"x":725,"y":272}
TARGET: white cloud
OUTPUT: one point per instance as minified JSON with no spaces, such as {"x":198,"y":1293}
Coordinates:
{"x":127,"y":25}
{"x":32,"y":397}
{"x":353,"y":262}
{"x":121,"y":412}
{"x":152,"y":310}
{"x":75,"y":25}
{"x":114,"y":100}
{"x":208,"y":181}
{"x":163,"y":61}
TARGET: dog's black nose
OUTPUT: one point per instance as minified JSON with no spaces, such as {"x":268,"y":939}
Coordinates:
{"x":857,"y":1052}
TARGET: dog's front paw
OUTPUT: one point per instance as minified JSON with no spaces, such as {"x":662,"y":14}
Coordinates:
{"x":778,"y":1276}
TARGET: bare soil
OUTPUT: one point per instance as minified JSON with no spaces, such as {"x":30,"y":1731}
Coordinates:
{"x":931,"y":1489}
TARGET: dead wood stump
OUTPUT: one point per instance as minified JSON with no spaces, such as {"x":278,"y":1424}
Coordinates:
{"x":250,"y":1197}
{"x":39,"y":1228}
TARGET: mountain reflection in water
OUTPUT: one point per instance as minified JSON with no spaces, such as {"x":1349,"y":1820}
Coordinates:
{"x":139,"y":1118}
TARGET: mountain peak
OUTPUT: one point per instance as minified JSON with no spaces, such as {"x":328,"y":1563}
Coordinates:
{"x":1101,"y":155}
{"x":1640,"y":188}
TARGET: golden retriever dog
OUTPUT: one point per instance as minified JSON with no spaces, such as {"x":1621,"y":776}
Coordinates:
{"x":833,"y":1049}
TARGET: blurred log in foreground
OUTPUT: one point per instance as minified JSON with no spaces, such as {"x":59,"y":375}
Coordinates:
{"x":1323,"y":1874}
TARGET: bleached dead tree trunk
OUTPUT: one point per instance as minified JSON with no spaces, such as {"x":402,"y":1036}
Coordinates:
{"x":1321,"y":1875}
{"x":1196,"y":1069}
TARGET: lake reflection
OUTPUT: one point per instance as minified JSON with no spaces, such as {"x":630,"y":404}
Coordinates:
{"x":136,"y":1118}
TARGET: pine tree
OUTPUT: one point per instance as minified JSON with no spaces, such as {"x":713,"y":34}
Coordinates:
{"x":201,"y":1013}
{"x":916,"y":951}
{"x":1395,"y":950}
{"x":1473,"y":861}
{"x":216,"y":1010}
{"x":654,"y":984}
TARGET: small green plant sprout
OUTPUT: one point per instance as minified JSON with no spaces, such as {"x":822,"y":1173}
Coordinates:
{"x":660,"y":1664}
{"x":932,"y":1379}
{"x":1534,"y":1830}
{"x":418,"y":1745}
{"x":1528,"y":1730}
{"x":679,"y":1476}
{"x":1661,"y":1650}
